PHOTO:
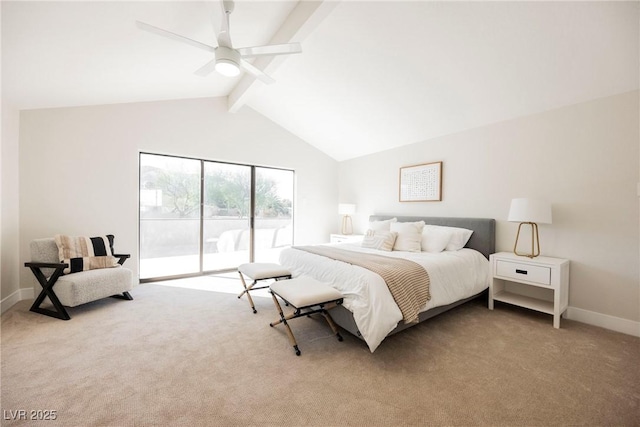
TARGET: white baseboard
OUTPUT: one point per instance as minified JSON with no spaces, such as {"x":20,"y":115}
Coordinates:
{"x":14,"y":298}
{"x":604,"y":321}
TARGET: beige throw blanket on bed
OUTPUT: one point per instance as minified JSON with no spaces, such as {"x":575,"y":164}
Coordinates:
{"x":408,"y":281}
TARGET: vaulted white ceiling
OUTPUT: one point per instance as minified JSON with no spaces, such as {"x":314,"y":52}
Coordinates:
{"x":373,"y":75}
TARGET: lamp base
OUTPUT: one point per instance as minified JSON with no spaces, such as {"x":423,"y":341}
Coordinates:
{"x":535,"y":241}
{"x":347,"y":226}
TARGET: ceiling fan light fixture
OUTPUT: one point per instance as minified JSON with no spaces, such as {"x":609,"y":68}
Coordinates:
{"x":227,"y":61}
{"x":227,"y":68}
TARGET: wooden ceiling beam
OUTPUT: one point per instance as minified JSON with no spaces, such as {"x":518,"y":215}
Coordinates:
{"x":301,"y":22}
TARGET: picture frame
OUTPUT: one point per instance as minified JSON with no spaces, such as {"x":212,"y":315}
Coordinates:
{"x":421,"y":183}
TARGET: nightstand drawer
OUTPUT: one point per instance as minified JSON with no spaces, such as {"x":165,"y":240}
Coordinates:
{"x":518,"y":271}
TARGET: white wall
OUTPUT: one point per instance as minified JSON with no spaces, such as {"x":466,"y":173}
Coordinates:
{"x":79,"y":166}
{"x":582,"y":158}
{"x":78,"y":173}
{"x":9,"y":266}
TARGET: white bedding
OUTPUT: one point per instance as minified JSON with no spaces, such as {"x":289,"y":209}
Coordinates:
{"x":454,"y":275}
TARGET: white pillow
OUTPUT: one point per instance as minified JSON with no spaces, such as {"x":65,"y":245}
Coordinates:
{"x":435,"y":239}
{"x":381,"y":225}
{"x":382,"y":240}
{"x":409,"y":236}
{"x":459,"y":237}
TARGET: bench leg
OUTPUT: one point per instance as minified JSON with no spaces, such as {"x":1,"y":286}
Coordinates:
{"x":47,"y":291}
{"x":246,"y":291}
{"x":283,"y":319}
{"x":333,"y":326}
{"x":124,"y":295}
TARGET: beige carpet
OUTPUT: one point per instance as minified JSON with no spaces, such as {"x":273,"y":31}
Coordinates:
{"x":177,"y":356}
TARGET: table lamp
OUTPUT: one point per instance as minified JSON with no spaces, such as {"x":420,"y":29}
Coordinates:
{"x":346,"y":209}
{"x":531,"y":212}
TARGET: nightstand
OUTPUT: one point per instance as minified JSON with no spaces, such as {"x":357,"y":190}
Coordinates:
{"x":510,"y":272}
{"x":345,"y":238}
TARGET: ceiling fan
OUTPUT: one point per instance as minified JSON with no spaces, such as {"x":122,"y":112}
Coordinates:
{"x":228,"y":60}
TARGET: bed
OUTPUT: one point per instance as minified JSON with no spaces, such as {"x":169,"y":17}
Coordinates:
{"x":369,"y":310}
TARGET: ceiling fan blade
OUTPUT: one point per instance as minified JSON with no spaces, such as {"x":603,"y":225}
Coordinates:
{"x":274,"y":49}
{"x":214,"y":20}
{"x":206,"y":69}
{"x":173,"y":36}
{"x":224,"y":38}
{"x":258,"y":74}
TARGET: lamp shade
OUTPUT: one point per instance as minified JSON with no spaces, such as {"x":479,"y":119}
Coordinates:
{"x":530,"y":210}
{"x":346,"y":209}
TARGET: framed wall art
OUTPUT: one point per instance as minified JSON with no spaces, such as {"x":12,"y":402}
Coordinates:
{"x":421,"y":183}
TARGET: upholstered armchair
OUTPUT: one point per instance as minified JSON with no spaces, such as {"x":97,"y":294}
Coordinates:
{"x":75,"y":288}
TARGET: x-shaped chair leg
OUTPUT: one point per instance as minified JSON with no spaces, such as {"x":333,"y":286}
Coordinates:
{"x":47,"y":291}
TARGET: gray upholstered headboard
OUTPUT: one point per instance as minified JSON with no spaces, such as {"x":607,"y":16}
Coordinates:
{"x":482,"y":240}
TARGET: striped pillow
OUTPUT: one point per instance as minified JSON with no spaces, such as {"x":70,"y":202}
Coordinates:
{"x":382,"y":240}
{"x":86,"y":253}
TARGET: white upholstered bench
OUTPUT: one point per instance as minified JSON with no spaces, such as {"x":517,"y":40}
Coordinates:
{"x":307,"y":296}
{"x":257,"y":271}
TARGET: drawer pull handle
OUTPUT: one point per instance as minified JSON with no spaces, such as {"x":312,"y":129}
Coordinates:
{"x":521,"y":271}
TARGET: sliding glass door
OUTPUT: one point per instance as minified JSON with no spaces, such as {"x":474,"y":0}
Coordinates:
{"x":199,"y":216}
{"x":169,"y":216}
{"x":273,"y":213}
{"x":227,"y":219}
